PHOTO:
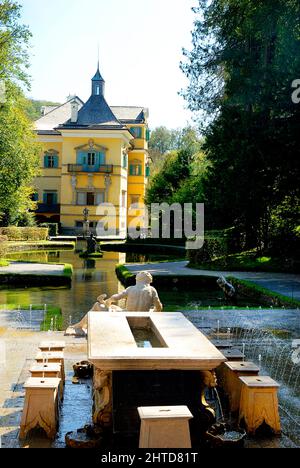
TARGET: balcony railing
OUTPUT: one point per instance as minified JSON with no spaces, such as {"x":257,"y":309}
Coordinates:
{"x":46,"y":208}
{"x":102,"y":169}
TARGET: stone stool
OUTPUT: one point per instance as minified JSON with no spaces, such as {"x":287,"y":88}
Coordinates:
{"x":52,"y":358}
{"x":259,"y":403}
{"x":222,"y":344}
{"x":232,"y":385}
{"x":165,"y":427}
{"x":54,"y":346}
{"x":49,"y":371}
{"x":233,"y":354}
{"x":40,"y":407}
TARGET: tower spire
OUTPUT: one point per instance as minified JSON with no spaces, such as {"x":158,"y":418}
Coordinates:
{"x":98,"y":83}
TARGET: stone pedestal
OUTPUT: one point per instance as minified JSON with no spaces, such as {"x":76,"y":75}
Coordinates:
{"x":49,"y":371}
{"x":233,"y":354}
{"x":165,"y":427}
{"x":259,"y":404}
{"x":52,"y":346}
{"x":41,"y":406}
{"x":231,"y":383}
{"x":52,"y":358}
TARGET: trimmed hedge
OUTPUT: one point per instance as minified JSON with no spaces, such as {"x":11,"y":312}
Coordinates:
{"x":127,"y":278}
{"x":3,"y":246}
{"x":52,"y":227}
{"x":14,"y":233}
{"x":18,"y":280}
{"x":265,"y":296}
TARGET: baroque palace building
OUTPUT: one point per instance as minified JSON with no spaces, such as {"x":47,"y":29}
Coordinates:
{"x":92,"y":154}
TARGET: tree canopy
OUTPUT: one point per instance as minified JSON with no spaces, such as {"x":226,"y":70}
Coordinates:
{"x":19,"y":151}
{"x":244,"y":59}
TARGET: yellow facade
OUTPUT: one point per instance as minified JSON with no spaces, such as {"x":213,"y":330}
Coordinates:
{"x":87,"y":166}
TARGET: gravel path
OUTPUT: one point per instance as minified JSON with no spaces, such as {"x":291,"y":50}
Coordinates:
{"x":283,"y":283}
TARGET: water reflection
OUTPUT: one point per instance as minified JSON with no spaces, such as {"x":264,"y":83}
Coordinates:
{"x":91,"y":278}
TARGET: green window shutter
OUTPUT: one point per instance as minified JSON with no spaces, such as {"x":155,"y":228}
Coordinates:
{"x":45,"y":198}
{"x":148,"y":134}
{"x":139,"y":170}
{"x":148,"y":171}
{"x":46,"y":161}
{"x":56,"y":162}
{"x":131,"y":171}
{"x":101,"y":158}
{"x":55,"y":199}
{"x":81,"y":158}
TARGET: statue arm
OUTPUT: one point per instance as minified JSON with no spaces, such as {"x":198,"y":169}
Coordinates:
{"x":117,"y":297}
{"x":158,"y":307}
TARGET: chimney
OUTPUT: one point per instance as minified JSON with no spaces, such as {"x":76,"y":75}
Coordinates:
{"x":74,"y":113}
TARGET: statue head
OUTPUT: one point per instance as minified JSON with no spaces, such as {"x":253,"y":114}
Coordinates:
{"x":221,"y":281}
{"x":144,"y":277}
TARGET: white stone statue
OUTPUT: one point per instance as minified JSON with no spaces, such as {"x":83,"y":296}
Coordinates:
{"x":139,"y":298}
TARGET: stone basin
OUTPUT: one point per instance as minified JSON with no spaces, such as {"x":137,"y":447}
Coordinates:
{"x":112,"y":345}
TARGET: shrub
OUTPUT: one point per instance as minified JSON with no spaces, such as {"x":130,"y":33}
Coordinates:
{"x":215,"y":246}
{"x":14,"y":233}
{"x":3,"y":249}
{"x":53,"y":228}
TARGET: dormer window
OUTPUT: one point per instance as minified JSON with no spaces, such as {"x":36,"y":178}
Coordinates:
{"x":98,"y":90}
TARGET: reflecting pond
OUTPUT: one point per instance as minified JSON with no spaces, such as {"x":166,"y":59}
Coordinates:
{"x":94,"y":277}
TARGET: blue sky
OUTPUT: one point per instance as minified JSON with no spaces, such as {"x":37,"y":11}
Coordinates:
{"x":140,"y":45}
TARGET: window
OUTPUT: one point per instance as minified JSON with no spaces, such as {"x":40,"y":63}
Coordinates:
{"x":81,"y":198}
{"x":91,"y":159}
{"x":93,"y":224}
{"x":50,"y":161}
{"x":35,"y":197}
{"x":148,"y":134}
{"x":100,"y":198}
{"x":50,"y":198}
{"x":134,"y":199}
{"x":125,"y":161}
{"x":148,"y":171}
{"x":135,"y":169}
{"x":90,"y":198}
{"x":137,"y":132}
{"x":98,"y":90}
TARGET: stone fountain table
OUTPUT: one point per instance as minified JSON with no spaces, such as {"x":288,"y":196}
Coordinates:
{"x":177,"y":372}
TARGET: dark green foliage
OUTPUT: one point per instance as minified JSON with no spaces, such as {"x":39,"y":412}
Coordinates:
{"x":244,"y":59}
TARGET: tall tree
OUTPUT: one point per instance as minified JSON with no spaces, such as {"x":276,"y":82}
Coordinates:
{"x":19,"y":152}
{"x":245,"y":57}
